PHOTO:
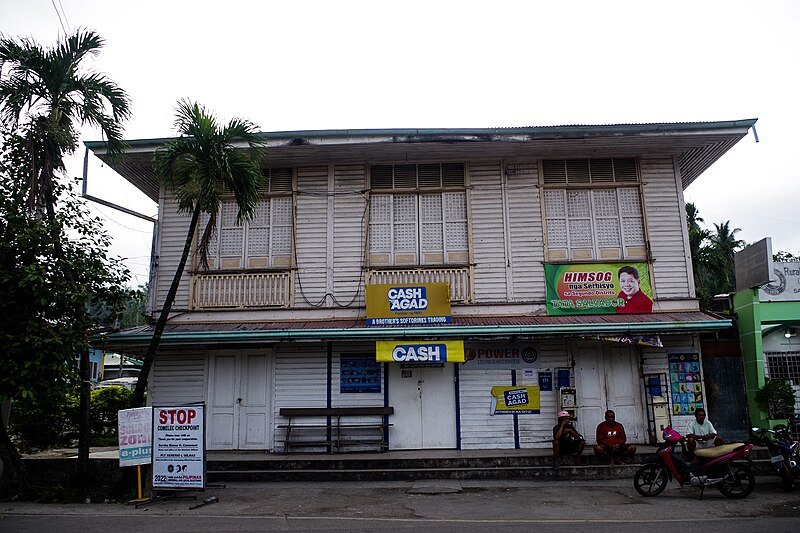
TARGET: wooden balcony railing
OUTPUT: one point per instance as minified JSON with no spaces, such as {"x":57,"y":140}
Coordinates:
{"x":241,"y":290}
{"x":457,"y":277}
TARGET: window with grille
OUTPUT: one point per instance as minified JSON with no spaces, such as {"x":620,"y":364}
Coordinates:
{"x":418,"y":214}
{"x":265,"y":241}
{"x":593,"y":209}
{"x":784,"y":365}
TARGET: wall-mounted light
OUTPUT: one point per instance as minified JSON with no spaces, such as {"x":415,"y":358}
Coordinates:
{"x":789,"y":333}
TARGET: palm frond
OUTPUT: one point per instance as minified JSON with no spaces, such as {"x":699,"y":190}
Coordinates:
{"x":208,"y":162}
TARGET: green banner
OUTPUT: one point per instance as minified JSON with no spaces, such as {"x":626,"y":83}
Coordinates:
{"x":598,"y":288}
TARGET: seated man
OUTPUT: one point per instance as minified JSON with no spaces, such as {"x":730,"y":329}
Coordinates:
{"x":566,"y":440}
{"x":611,"y":441}
{"x":701,"y":433}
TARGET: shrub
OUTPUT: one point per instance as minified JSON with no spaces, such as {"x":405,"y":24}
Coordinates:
{"x":49,"y":421}
{"x":105,"y":404}
{"x":776,"y":397}
{"x":43,"y":421}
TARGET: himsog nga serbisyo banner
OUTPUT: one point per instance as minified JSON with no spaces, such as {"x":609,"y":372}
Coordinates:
{"x":598,"y":288}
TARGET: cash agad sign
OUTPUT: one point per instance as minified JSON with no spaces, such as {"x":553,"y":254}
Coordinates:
{"x":179,"y":447}
{"x":598,"y":288}
{"x":406,"y":304}
{"x":419,"y":351}
{"x":521,"y":400}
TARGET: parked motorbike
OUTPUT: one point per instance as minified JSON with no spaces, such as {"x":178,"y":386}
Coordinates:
{"x":784,"y":451}
{"x":713,"y":467}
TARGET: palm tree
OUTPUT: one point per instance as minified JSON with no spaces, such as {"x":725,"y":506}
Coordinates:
{"x":46,"y":94}
{"x":702,"y":263}
{"x":199,"y":167}
{"x":724,"y":245}
{"x":46,"y":91}
{"x":693,"y":217}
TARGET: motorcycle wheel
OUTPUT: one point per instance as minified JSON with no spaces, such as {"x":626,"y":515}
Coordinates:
{"x":738,"y":482}
{"x":650,"y":480}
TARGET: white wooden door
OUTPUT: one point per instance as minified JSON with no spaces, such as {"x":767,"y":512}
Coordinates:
{"x":239,"y":401}
{"x":608,"y":377}
{"x":424,"y":407}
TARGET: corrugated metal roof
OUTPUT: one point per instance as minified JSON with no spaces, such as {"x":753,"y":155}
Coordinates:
{"x":186,"y":334}
{"x":697,"y":144}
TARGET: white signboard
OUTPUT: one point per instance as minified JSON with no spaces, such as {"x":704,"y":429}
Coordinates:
{"x":785,"y":286}
{"x":496,"y":355}
{"x":135,"y":428}
{"x":179,"y":447}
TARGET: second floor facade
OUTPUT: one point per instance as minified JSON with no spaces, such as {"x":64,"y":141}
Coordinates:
{"x":484,"y":210}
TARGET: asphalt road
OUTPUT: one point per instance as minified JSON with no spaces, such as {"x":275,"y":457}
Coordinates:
{"x":442,"y":506}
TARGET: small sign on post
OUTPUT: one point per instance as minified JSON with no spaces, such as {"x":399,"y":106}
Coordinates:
{"x":135,"y":429}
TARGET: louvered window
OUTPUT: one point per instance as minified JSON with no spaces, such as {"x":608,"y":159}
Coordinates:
{"x":265,"y":241}
{"x":422,"y":223}
{"x":593,"y":209}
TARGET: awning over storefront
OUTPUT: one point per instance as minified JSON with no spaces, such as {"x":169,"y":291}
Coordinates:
{"x":496,"y":327}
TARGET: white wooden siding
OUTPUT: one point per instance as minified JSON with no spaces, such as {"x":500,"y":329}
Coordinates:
{"x":312,"y":236}
{"x":300,"y":381}
{"x":349,"y":234}
{"x":536,"y":431}
{"x":665,"y":221}
{"x":178,"y":378}
{"x":172,"y":228}
{"x":525,"y":230}
{"x":479,"y":428}
{"x":488,"y":233}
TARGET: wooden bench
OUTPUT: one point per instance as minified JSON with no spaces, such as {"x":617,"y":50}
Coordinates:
{"x":335,"y":434}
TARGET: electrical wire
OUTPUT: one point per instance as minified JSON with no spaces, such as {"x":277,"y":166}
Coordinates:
{"x":58,"y":14}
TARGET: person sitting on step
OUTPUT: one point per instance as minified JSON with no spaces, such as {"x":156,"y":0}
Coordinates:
{"x":701,"y":433}
{"x":612,"y":443}
{"x":566,"y":440}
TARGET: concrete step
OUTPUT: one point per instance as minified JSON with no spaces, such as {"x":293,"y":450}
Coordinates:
{"x":387,"y":466}
{"x":390,"y":467}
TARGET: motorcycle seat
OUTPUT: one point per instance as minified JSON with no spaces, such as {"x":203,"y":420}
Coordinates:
{"x":717,"y":451}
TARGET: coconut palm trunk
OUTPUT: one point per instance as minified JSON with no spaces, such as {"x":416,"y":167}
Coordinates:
{"x":201,"y":167}
{"x":161,"y":323}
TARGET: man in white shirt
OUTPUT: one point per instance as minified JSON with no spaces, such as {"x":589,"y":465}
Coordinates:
{"x":701,"y":433}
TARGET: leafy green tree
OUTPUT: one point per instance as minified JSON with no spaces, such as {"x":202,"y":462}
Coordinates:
{"x":199,"y":168}
{"x":712,"y":256}
{"x":135,"y":313}
{"x":45,"y":96}
{"x":777,"y":398}
{"x":785,"y":257}
{"x":47,"y":324}
{"x":724,"y":245}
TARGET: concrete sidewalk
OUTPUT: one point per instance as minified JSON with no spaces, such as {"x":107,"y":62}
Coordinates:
{"x":472,"y":505}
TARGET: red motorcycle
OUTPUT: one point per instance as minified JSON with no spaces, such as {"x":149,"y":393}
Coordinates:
{"x":714,"y":467}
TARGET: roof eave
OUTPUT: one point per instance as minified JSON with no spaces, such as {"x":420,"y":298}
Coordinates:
{"x":121,"y":340}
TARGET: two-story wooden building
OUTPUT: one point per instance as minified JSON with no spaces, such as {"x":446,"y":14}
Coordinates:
{"x":535,"y":230}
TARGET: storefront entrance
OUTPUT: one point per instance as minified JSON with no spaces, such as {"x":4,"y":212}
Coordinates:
{"x":424,"y":404}
{"x":239,"y":407}
{"x":607,"y":376}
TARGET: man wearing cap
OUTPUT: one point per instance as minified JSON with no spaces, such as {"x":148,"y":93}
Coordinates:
{"x":566,"y":440}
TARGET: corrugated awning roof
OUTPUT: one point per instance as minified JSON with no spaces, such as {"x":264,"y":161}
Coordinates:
{"x":494,"y":327}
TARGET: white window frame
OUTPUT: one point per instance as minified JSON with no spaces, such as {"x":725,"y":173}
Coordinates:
{"x":451,"y":240}
{"x":594,"y":218}
{"x":278,"y":225}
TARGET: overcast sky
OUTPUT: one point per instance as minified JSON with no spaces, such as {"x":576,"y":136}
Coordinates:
{"x":380,"y":64}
